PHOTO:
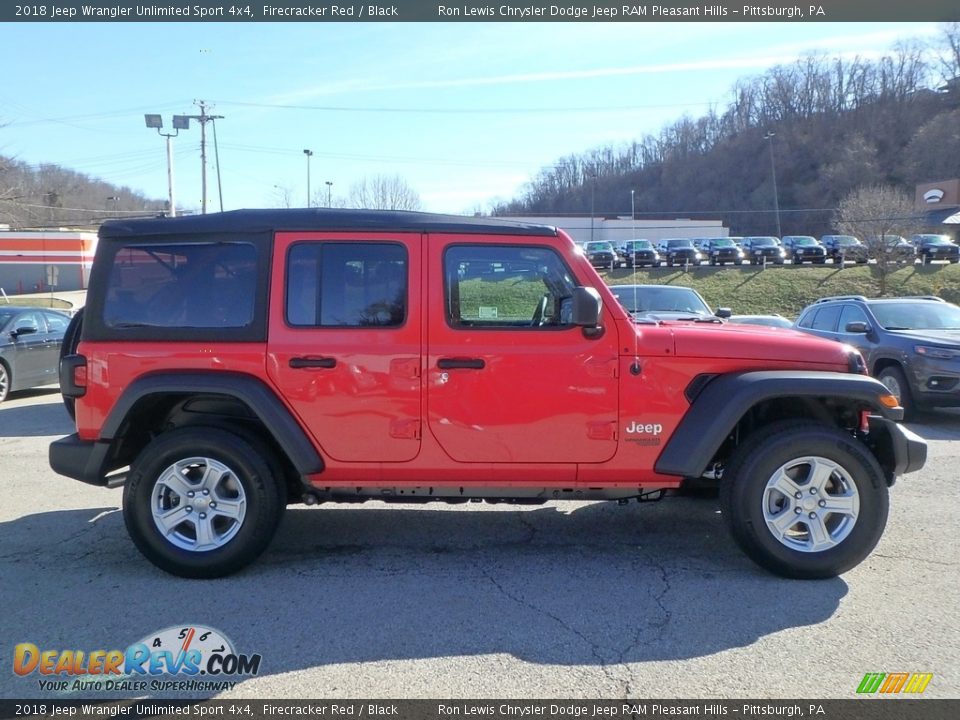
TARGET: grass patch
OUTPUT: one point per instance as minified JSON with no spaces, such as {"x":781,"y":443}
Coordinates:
{"x":34,"y":301}
{"x":787,"y":289}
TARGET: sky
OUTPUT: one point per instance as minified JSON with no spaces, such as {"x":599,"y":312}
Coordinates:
{"x":464,"y":113}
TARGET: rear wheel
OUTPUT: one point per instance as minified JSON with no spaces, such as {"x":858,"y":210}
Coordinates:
{"x":202,"y":502}
{"x":71,"y":339}
{"x":804,"y":500}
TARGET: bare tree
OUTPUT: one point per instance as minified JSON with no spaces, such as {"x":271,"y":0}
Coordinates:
{"x":950,"y":57}
{"x":878,"y":214}
{"x":383,"y":192}
{"x":282,"y":196}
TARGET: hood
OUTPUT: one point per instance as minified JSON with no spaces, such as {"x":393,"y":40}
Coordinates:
{"x":946,"y":338}
{"x":757,"y":342}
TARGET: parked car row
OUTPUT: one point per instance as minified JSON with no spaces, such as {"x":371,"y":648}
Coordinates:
{"x":769,"y":249}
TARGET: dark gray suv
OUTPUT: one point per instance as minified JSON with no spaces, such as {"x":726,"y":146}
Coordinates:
{"x":910,"y":344}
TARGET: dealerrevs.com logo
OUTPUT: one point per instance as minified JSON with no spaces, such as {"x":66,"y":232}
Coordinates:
{"x":181,"y":658}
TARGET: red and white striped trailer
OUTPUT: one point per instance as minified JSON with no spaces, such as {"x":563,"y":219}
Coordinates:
{"x":39,"y":261}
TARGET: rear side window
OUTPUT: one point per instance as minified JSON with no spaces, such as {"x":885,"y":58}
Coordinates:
{"x":354,"y":285}
{"x":826,"y":318}
{"x":182,"y":286}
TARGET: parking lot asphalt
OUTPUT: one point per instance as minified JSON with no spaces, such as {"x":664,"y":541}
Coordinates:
{"x":580,"y":600}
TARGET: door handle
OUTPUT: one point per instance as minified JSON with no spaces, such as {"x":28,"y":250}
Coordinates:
{"x":298,"y":363}
{"x":461,"y":364}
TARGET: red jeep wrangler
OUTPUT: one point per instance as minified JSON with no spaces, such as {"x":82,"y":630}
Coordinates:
{"x":227,"y":365}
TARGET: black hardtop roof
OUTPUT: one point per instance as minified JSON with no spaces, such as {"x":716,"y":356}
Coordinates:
{"x":319,"y":219}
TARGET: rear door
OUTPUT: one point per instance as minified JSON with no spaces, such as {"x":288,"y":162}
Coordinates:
{"x":345,"y":340}
{"x":510,"y":379}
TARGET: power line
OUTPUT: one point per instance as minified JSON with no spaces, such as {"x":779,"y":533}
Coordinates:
{"x":463,"y":111}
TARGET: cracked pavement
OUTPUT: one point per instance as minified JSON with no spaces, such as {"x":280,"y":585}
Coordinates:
{"x":590,"y":600}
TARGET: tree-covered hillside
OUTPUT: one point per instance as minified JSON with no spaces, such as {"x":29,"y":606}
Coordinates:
{"x":831,"y":124}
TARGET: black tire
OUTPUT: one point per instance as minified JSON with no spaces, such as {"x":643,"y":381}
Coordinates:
{"x":745,"y":495}
{"x":251,"y":477}
{"x":6,"y":379}
{"x":71,"y":339}
{"x":892,"y":376}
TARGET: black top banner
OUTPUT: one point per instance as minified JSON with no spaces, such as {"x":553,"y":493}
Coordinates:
{"x":473,"y":11}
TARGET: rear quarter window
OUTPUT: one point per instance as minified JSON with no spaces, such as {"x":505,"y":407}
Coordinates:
{"x":202,"y":285}
{"x":179,"y":288}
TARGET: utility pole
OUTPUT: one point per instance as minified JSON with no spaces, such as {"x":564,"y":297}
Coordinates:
{"x":203,"y":118}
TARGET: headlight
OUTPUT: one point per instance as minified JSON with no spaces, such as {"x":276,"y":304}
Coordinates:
{"x":936,"y":352}
{"x":697,"y":255}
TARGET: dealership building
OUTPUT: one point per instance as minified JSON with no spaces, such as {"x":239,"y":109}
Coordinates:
{"x":940,"y":204}
{"x":41,"y":261}
{"x":617,"y":229}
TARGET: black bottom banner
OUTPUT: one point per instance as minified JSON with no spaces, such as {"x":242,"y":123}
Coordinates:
{"x":861,"y":709}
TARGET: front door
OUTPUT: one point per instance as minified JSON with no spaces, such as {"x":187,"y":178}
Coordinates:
{"x":344,"y":343}
{"x":510,"y":379}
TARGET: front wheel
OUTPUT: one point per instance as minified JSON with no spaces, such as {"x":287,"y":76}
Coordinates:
{"x":4,"y":382}
{"x":202,"y":502}
{"x":804,"y":500}
{"x":896,"y":382}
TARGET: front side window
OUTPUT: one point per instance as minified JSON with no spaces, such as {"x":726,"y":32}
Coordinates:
{"x":190,"y":285}
{"x":346,"y":284}
{"x":506,"y":287}
{"x":851,"y":313}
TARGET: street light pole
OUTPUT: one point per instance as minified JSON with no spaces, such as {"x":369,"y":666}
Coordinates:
{"x":180,"y":122}
{"x":633,"y":214}
{"x":773,"y":172}
{"x":309,"y":154}
{"x":329,"y":184}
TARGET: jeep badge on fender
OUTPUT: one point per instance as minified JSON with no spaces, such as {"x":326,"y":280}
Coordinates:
{"x":228,"y":365}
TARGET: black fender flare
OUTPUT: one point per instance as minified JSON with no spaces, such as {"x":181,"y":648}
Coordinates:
{"x":724,"y":400}
{"x":251,"y":391}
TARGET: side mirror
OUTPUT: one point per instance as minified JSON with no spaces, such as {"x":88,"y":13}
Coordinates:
{"x":723,"y":312}
{"x":587,"y":307}
{"x":25,"y":330}
{"x":860,"y":328}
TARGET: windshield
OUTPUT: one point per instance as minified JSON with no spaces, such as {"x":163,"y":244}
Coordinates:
{"x":936,"y":239}
{"x":639,"y":245}
{"x":679,"y":243}
{"x":917,"y":315}
{"x":598,"y":247}
{"x":763,"y":242}
{"x":660,"y":298}
{"x":723,"y":242}
{"x":846,"y":240}
{"x":803,"y":241}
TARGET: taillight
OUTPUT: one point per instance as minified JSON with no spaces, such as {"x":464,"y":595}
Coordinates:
{"x":80,"y":375}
